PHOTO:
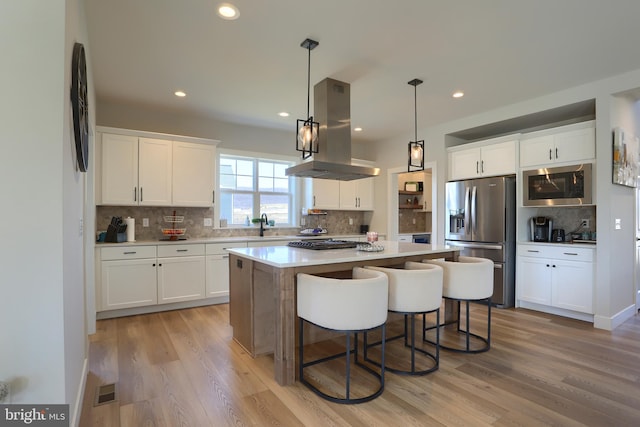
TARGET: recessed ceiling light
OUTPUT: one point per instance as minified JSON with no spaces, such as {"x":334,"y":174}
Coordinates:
{"x":458,"y":94}
{"x":228,"y":11}
{"x":283,"y":114}
{"x":180,"y":93}
{"x":357,"y":129}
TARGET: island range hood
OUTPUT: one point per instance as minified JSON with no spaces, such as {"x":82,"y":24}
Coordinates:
{"x":332,"y":109}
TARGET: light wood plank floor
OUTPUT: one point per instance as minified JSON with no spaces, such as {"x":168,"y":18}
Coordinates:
{"x":182,"y":368}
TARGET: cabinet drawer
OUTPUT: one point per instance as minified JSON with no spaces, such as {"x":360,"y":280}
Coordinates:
{"x":180,"y":250}
{"x":127,"y":252}
{"x":220,"y":248}
{"x":567,"y":253}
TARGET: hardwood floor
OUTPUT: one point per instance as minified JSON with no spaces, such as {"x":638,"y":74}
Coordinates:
{"x":182,"y":368}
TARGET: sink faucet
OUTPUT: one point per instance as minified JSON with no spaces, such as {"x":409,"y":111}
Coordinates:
{"x":263,"y":222}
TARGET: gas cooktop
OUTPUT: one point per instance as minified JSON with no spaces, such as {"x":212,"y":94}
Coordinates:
{"x":323,"y":244}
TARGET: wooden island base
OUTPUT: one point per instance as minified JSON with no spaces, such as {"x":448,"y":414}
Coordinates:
{"x":262,"y":300}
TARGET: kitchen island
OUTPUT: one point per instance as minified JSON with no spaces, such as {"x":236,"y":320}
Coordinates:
{"x":262,"y":303}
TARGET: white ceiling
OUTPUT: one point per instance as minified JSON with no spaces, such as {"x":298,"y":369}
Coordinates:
{"x":246,"y":71}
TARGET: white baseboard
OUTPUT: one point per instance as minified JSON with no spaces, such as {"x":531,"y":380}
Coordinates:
{"x":554,"y":310}
{"x":610,"y":323}
{"x":108,"y":314}
{"x":77,"y":412}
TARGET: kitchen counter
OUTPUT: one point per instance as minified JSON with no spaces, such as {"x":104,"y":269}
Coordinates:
{"x":262,"y":291}
{"x":247,"y":239}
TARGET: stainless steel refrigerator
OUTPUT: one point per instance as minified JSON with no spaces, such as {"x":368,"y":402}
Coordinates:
{"x":481,"y":219}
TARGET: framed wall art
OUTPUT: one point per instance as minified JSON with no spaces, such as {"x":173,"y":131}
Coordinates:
{"x":625,"y":157}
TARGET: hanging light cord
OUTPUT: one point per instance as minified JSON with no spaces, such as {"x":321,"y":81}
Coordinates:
{"x":415,"y":109}
{"x":308,"y":81}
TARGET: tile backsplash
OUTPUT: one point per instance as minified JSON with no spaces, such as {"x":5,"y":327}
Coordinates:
{"x":336,"y":222}
{"x":569,"y":218}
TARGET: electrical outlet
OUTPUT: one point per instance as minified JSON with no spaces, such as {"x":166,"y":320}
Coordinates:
{"x":585,"y":223}
{"x":350,"y":221}
{"x":208,"y":222}
{"x":145,"y":222}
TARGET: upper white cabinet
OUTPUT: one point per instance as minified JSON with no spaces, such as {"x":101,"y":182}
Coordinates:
{"x":486,"y":158}
{"x":193,"y":174}
{"x":326,"y":194}
{"x":357,"y":194}
{"x":566,"y":144}
{"x":154,"y":172}
{"x":119,"y":169}
{"x":140,"y":169}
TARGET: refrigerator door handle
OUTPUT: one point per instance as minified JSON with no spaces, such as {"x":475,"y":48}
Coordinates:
{"x":467,"y":212}
{"x":474,"y":245}
{"x":474,"y":218}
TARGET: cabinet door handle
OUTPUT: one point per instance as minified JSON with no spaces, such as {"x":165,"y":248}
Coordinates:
{"x":531,"y":250}
{"x":477,"y":166}
{"x":570,"y":253}
{"x":550,"y":151}
{"x":159,"y":265}
{"x":129,"y":253}
{"x":153,"y":265}
{"x":547,"y":265}
{"x":135,"y":194}
{"x":225,"y":256}
{"x":556,"y":152}
{"x":140,"y":193}
{"x":314,"y":200}
{"x":213,"y":197}
{"x":482,"y":168}
{"x":554,"y":266}
{"x":182,"y":250}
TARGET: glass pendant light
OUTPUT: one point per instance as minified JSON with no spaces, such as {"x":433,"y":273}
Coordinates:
{"x":307,"y":130}
{"x":415,"y":161}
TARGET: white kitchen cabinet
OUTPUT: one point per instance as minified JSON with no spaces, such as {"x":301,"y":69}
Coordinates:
{"x":147,"y":169}
{"x":559,"y":276}
{"x":217,"y":268}
{"x":127,"y":277}
{"x":181,"y":272}
{"x":193,"y":175}
{"x":481,"y":159}
{"x":181,"y":278}
{"x":566,"y":144}
{"x":119,"y":170}
{"x":326,"y":194}
{"x":154,"y":171}
{"x":357,"y":194}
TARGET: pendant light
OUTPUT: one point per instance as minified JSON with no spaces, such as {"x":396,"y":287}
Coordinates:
{"x":307,"y":130}
{"x":415,"y":161}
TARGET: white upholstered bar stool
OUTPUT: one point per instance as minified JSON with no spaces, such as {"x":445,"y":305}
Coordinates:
{"x":349,"y":306}
{"x":414,"y":290}
{"x":470,"y":279}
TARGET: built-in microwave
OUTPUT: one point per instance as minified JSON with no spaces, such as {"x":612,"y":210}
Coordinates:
{"x":564,"y":185}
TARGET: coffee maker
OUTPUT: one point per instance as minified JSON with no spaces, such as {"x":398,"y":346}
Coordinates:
{"x":541,"y":228}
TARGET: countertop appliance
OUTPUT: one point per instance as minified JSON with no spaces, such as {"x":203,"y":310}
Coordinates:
{"x":540,"y":229}
{"x":323,"y":244}
{"x":564,"y":185}
{"x":558,"y":235}
{"x":421,"y":238}
{"x":481,"y":219}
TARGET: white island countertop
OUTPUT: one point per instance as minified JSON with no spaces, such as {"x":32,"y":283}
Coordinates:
{"x":285,"y":256}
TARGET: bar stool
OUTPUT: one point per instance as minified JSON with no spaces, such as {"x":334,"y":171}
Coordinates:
{"x":470,"y":279}
{"x":348,"y":306}
{"x":414,"y":290}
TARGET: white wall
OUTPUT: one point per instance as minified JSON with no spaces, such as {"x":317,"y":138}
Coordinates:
{"x":42,"y":339}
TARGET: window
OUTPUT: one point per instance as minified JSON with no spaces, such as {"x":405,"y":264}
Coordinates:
{"x":250,"y":187}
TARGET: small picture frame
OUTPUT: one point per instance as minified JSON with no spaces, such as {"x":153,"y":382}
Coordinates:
{"x":410,"y":186}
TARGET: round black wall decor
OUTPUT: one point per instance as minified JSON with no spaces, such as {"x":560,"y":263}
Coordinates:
{"x":80,"y":105}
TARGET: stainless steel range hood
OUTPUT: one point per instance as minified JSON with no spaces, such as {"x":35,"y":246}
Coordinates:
{"x":332,"y":109}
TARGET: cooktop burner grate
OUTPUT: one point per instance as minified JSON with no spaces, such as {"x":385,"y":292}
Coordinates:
{"x":323,"y":244}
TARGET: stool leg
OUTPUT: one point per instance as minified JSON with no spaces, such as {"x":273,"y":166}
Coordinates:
{"x":300,"y":348}
{"x":467,"y":304}
{"x":348,"y":355}
{"x":413,"y":343}
{"x":489,"y":321}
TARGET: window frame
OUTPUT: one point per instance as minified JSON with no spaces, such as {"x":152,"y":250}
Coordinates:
{"x":256,"y":158}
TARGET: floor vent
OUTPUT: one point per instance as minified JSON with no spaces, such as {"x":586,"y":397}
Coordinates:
{"x":105,"y":394}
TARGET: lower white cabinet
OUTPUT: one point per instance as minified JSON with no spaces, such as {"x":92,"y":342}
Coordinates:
{"x":557,"y":276}
{"x":181,"y":279}
{"x":217,"y":268}
{"x":127,"y":277}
